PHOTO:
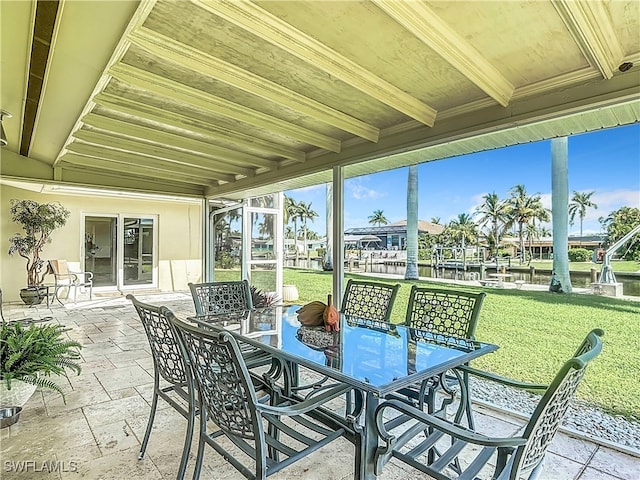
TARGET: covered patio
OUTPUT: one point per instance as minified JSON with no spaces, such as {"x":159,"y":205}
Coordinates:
{"x":97,"y":434}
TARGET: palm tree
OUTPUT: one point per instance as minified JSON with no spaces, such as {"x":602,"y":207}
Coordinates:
{"x":494,"y":212}
{"x":436,"y":220}
{"x":411,"y":273}
{"x":378,"y":218}
{"x":305,"y":213}
{"x":525,"y":209}
{"x":462,"y":231}
{"x":291,"y":212}
{"x":579,"y":203}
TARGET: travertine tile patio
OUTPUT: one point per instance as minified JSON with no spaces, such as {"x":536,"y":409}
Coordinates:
{"x":97,"y":433}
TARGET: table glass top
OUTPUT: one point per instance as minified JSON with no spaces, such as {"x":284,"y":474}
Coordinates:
{"x":377,"y":354}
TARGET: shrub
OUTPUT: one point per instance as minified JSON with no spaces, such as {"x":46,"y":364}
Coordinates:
{"x":580,"y":255}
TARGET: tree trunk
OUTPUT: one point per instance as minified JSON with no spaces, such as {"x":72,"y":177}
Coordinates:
{"x":412,"y":224}
{"x":560,"y":279}
{"x":328,"y":256}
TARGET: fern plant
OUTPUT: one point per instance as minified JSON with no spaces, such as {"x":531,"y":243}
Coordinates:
{"x":34,"y":353}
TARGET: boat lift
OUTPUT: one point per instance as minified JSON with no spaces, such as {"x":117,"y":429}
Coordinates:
{"x":606,"y":274}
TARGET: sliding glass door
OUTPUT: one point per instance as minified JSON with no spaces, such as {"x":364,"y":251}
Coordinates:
{"x":121,"y":250}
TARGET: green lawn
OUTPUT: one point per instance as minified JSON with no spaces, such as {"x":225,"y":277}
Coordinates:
{"x":621,"y":266}
{"x":537,"y":332}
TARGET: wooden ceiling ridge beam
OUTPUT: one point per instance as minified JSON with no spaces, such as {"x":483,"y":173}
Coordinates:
{"x":211,"y":103}
{"x":132,"y":158}
{"x":235,"y":160}
{"x":91,"y":163}
{"x":209,"y":66}
{"x":591,"y":28}
{"x":158,"y":115}
{"x":160,"y":153}
{"x":267,"y":26}
{"x":419,"y":19}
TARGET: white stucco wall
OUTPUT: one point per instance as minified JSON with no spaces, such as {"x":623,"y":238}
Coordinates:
{"x":179,"y":236}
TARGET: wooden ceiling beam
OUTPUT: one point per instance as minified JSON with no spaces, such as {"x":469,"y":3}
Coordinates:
{"x":161,"y":153}
{"x":258,"y":21}
{"x":591,"y":28}
{"x":184,"y":123}
{"x":209,"y":66}
{"x":419,"y":19}
{"x":235,"y":160}
{"x":191,"y":96}
{"x":108,"y":164}
{"x":136,"y":159}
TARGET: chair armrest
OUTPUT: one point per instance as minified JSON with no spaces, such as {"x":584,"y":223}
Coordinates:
{"x":311,"y":402}
{"x":441,"y":425}
{"x":87,"y":277}
{"x":531,"y":387}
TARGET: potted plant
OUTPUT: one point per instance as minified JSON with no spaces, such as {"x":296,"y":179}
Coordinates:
{"x":39,"y":221}
{"x":29,"y":356}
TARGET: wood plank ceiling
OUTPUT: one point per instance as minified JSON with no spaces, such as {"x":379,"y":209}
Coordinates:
{"x":221,"y":98}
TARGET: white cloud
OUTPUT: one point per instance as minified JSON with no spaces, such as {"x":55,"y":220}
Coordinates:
{"x":361,"y":192}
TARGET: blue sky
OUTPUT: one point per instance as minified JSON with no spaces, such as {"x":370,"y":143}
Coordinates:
{"x":606,"y":161}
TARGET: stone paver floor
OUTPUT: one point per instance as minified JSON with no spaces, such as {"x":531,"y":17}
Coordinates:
{"x":97,"y":433}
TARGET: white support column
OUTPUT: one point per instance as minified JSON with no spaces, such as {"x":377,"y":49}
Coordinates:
{"x":328,"y":257}
{"x":207,"y":238}
{"x":560,"y":279}
{"x":338,"y":235}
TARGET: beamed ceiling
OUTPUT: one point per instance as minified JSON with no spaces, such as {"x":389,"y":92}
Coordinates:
{"x":230,"y":98}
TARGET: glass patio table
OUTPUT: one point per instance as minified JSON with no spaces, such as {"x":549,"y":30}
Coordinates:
{"x":376,"y":358}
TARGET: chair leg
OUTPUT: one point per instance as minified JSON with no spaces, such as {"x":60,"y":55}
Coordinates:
{"x":152,"y":415}
{"x":187,"y":443}
{"x":201,"y":443}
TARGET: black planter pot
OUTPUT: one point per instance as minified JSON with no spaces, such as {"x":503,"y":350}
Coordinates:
{"x":33,"y":295}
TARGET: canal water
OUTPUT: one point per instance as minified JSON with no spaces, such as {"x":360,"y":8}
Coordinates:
{"x":630,"y":284}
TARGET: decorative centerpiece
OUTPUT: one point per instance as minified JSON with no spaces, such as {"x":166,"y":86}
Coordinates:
{"x":316,"y":313}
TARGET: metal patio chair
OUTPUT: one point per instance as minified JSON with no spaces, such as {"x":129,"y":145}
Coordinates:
{"x":217,"y":298}
{"x":214,"y":298}
{"x":169,"y":367}
{"x":451,"y":313}
{"x":272,"y":435}
{"x":369,"y":300}
{"x":466,"y":452}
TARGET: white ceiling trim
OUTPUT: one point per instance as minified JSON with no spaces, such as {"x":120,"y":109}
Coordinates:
{"x":281,"y":34}
{"x":428,"y":27}
{"x":184,"y":123}
{"x":591,"y":28}
{"x":207,"y":65}
{"x":213,"y":104}
{"x":162,"y":152}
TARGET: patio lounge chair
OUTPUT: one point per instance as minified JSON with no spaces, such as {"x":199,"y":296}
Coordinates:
{"x":168,"y":364}
{"x":64,"y":278}
{"x":272,"y":435}
{"x":466,"y":452}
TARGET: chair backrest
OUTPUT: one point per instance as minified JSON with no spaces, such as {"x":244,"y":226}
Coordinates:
{"x":221,"y":376}
{"x":369,"y":300}
{"x":59,"y":267}
{"x":548,"y":415}
{"x":214,"y":298}
{"x":449,"y":312}
{"x":168,"y":359}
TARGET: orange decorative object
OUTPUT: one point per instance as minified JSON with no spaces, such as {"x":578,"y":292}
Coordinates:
{"x":331,"y":316}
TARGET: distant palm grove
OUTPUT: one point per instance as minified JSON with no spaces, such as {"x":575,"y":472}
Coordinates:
{"x":520,"y":214}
